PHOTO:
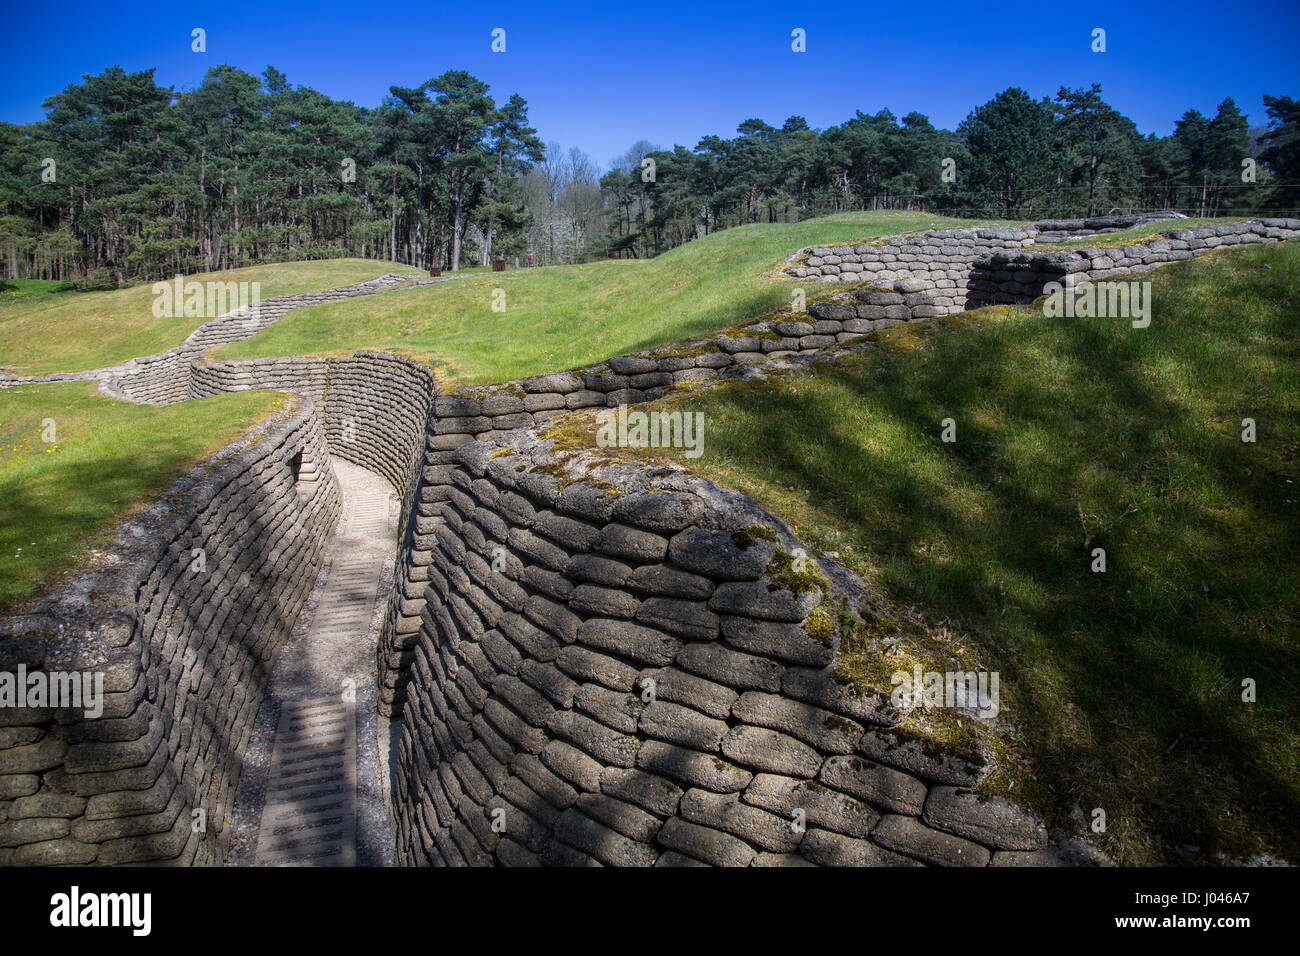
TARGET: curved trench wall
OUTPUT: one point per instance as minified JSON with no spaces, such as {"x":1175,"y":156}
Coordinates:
{"x":490,"y":412}
{"x":922,"y":275}
{"x":375,"y":405}
{"x":605,"y":673}
{"x":378,"y":410}
{"x":164,"y":378}
{"x":531,"y":616}
{"x":928,"y":274}
{"x":524,"y":687}
{"x":1054,"y":230}
{"x":185,"y":653}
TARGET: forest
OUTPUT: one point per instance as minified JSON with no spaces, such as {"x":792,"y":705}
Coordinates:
{"x":125,"y":180}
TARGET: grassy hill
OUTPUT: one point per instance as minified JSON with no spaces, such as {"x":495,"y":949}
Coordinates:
{"x":564,"y":316}
{"x":1123,"y":688}
{"x":61,"y":499}
{"x":49,"y":327}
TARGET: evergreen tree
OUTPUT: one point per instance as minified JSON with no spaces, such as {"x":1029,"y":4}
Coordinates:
{"x":1100,"y":150}
{"x":1011,"y":141}
{"x":125,"y":180}
{"x":1281,"y":149}
{"x":514,"y":147}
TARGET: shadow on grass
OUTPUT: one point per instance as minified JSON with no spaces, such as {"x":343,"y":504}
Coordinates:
{"x":1125,"y":687}
{"x":56,"y":518}
{"x":206,"y":638}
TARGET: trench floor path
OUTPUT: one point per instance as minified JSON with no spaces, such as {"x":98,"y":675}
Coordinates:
{"x":314,"y":790}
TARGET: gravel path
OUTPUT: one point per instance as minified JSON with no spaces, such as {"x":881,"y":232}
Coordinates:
{"x":302,"y":782}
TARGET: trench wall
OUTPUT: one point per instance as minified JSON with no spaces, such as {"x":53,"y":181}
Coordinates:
{"x":521,"y":685}
{"x":164,"y":378}
{"x":378,"y":410}
{"x":534,"y":613}
{"x":489,"y":412}
{"x":1054,"y":230}
{"x":940,"y":272}
{"x":374,"y":405}
{"x":608,"y":672}
{"x":930,"y":274}
{"x":186,"y":653}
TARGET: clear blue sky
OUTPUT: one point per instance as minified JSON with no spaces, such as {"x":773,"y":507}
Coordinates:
{"x":603,"y":75}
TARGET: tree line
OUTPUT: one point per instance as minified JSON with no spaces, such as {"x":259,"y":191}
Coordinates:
{"x":126,"y":180}
{"x":1011,"y":158}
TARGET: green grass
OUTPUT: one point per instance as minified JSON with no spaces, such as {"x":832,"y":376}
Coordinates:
{"x":1123,"y":688}
{"x":59,"y":500}
{"x":45,"y":328}
{"x":15,"y":290}
{"x":565,"y":316}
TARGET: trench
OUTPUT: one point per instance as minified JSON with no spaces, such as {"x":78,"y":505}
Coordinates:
{"x":314,"y":788}
{"x":315,"y":784}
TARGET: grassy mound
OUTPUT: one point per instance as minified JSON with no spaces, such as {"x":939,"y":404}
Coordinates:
{"x":1124,"y":689}
{"x":61,"y":499}
{"x":49,"y":327}
{"x":565,"y":316}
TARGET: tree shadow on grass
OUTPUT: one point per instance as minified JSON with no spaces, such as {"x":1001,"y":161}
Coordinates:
{"x":207,"y":637}
{"x":1100,"y":670}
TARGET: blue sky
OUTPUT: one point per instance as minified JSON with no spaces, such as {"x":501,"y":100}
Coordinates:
{"x":601,"y":76}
